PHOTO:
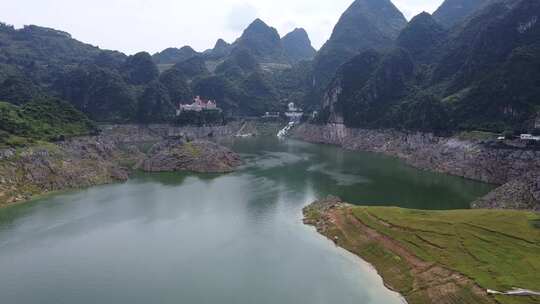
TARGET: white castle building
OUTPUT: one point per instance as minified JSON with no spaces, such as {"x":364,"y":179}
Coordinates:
{"x":198,"y":105}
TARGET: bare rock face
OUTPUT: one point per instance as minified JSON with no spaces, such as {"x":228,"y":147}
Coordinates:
{"x":77,"y":163}
{"x":197,"y":156}
{"x":520,"y":193}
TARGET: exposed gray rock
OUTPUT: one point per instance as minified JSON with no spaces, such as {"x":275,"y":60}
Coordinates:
{"x":520,"y":193}
{"x":198,"y":156}
{"x":76,"y":163}
{"x":6,"y":153}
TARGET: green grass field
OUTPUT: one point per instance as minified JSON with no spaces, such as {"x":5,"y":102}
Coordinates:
{"x":499,"y":250}
{"x":44,"y":120}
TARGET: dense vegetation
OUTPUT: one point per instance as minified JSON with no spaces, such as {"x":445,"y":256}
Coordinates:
{"x":46,"y":120}
{"x":244,"y":77}
{"x":478,"y":70}
{"x":263,"y":41}
{"x":482,"y":75}
{"x":297,"y":46}
{"x":365,"y":24}
{"x":38,"y":63}
{"x":452,"y":12}
{"x":248,"y":77}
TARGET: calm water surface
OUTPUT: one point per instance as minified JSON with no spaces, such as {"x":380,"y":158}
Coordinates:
{"x":238,"y":238}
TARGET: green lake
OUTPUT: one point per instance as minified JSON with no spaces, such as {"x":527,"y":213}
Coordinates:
{"x":204,"y":239}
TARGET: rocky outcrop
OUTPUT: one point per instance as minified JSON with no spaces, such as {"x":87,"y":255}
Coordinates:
{"x":520,"y":193}
{"x":77,"y":163}
{"x":197,"y":156}
{"x":506,"y":166}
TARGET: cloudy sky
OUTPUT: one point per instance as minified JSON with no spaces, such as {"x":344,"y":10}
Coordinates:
{"x":152,"y":25}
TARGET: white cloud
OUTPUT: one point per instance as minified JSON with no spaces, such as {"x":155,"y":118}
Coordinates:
{"x":411,"y":8}
{"x":152,"y":25}
{"x":240,"y":16}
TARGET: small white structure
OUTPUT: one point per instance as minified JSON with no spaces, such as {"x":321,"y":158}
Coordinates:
{"x":292,"y":107}
{"x":294,"y":113}
{"x":271,"y":115}
{"x":529,"y":137}
{"x":285,"y":131}
{"x":515,"y":292}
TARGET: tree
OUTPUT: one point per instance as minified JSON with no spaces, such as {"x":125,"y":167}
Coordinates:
{"x":100,"y":93}
{"x":155,"y":105}
{"x":19,"y":90}
{"x":424,"y":112}
{"x":176,"y":84}
{"x":140,"y":69}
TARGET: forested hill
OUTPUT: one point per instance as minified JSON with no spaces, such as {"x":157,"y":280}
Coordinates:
{"x":366,"y":24}
{"x":468,"y":67}
{"x":45,"y":120}
{"x":482,"y":74}
{"x":39,"y":62}
{"x":247,"y":78}
{"x":452,"y":12}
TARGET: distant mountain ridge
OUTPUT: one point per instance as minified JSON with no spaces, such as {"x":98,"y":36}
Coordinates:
{"x":247,"y":76}
{"x":484,"y":74}
{"x":174,"y":55}
{"x":451,"y":12}
{"x":221,"y":49}
{"x":478,"y":69}
{"x":263,"y":41}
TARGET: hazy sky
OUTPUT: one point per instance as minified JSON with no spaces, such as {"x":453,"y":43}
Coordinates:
{"x":152,"y":25}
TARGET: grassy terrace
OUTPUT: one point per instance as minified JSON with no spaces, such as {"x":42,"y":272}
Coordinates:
{"x":429,"y":256}
{"x":497,"y":249}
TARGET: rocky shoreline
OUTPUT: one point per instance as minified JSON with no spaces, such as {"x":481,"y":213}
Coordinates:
{"x":26,"y":173}
{"x":516,"y":170}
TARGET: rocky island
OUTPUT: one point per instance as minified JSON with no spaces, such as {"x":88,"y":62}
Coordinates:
{"x":199,"y":156}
